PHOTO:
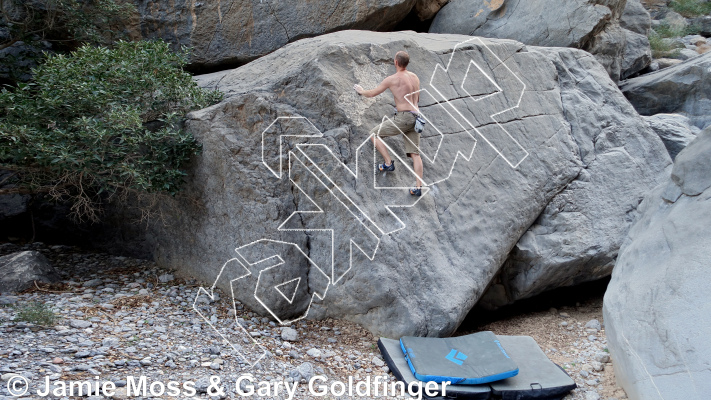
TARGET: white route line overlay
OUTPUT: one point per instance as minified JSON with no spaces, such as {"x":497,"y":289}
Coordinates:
{"x":278,"y":174}
{"x":518,"y":103}
{"x":280,"y":262}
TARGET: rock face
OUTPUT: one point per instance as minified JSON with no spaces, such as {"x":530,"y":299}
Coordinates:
{"x":592,"y":25}
{"x":684,"y":88}
{"x":237,"y":31}
{"x":577,"y":237}
{"x":354,"y":241}
{"x":636,"y":18}
{"x":18,"y":271}
{"x":657,"y":309}
{"x":637,"y":55}
{"x":674,"y":130}
{"x":427,"y":9}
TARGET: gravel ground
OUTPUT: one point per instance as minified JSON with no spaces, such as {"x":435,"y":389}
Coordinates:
{"x":121,"y":317}
{"x":572,"y":337}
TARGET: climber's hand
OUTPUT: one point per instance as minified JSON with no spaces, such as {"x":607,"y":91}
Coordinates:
{"x":358,"y":88}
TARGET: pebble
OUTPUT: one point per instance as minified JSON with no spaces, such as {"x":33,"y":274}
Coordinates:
{"x":590,"y":395}
{"x":92,"y":283}
{"x":597,"y":366}
{"x":594,"y":325}
{"x":316,"y":353}
{"x":79,"y":324}
{"x":289,"y":334}
{"x":378,"y":362}
{"x":602,"y":357}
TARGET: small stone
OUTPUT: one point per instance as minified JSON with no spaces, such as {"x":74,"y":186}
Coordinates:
{"x":214,"y":366}
{"x":590,"y":395}
{"x":306,"y":370}
{"x":57,"y":360}
{"x":602,"y":358}
{"x":597,"y":366}
{"x":378,"y":362}
{"x":564,"y":323}
{"x":146,"y":361}
{"x":584,"y":374}
{"x":8,"y":376}
{"x":165,"y":278}
{"x":315,"y":353}
{"x":93,"y":283}
{"x":289,"y":334}
{"x":79,"y":324}
{"x":592,"y":338}
{"x":8,"y":300}
{"x":591,"y":382}
{"x":143,"y":292}
{"x":564,"y":315}
{"x":594,"y":325}
{"x":110,"y":341}
{"x":120,"y":393}
{"x":82,"y":354}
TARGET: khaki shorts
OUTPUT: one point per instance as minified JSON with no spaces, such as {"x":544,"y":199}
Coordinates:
{"x":402,"y":122}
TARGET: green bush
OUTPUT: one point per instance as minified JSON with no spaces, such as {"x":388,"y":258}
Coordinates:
{"x":660,"y":47}
{"x":36,"y":313}
{"x":691,"y":8}
{"x":55,"y":25}
{"x":100,"y":121}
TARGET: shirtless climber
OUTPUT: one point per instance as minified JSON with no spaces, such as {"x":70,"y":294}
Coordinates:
{"x":402,"y":83}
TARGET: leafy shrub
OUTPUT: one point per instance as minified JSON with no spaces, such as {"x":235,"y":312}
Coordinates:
{"x":660,"y":47}
{"x":36,"y":313}
{"x":691,"y":8}
{"x":101,"y":121}
{"x":70,"y":20}
{"x":55,"y":25}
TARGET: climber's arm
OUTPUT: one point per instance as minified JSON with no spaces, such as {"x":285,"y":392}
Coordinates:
{"x":385,"y":84}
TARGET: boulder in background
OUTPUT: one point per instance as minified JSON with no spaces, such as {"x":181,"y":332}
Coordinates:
{"x":683,"y":88}
{"x":18,"y":271}
{"x":591,"y":25}
{"x":675,"y":131}
{"x":237,"y":31}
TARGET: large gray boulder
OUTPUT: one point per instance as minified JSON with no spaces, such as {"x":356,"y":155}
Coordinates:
{"x":675,"y":131}
{"x":355,"y":242}
{"x":577,"y":237}
{"x":237,"y":31}
{"x":684,"y":88}
{"x":636,"y":18}
{"x":18,"y":271}
{"x":591,"y":25}
{"x":637,"y":54}
{"x":657,"y":307}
